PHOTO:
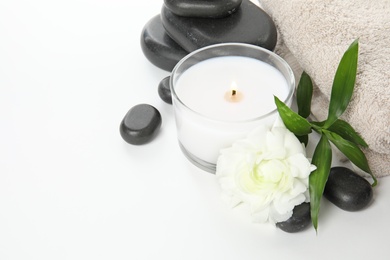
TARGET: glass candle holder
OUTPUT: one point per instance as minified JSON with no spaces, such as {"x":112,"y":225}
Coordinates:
{"x":222,"y":92}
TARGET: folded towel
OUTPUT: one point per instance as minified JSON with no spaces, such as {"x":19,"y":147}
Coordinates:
{"x":313,"y":35}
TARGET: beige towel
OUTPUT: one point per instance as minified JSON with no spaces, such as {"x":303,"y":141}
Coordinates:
{"x":314,"y":35}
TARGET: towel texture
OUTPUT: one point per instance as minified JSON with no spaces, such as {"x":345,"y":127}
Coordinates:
{"x":313,"y":35}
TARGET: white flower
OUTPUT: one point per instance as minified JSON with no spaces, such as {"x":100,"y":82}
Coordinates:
{"x":268,"y":171}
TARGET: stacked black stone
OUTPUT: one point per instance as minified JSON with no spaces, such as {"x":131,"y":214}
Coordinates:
{"x":187,"y":25}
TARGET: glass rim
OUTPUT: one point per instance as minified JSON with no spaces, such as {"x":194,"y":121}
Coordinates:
{"x":291,"y":83}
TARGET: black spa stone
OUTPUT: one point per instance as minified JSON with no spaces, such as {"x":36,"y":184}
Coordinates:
{"x":347,"y":190}
{"x":141,"y":124}
{"x":203,"y":8}
{"x":249,"y":24}
{"x":164,"y":90}
{"x":158,"y":47}
{"x":298,"y":221}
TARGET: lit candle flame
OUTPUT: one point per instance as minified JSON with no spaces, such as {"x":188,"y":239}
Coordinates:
{"x":233,"y":87}
{"x":233,"y":95}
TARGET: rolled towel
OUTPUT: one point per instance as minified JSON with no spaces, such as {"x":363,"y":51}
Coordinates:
{"x":313,"y":36}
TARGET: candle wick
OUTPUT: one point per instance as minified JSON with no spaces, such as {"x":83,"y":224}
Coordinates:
{"x":233,"y":96}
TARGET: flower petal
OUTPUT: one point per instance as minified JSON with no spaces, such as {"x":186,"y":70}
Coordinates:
{"x":268,"y":171}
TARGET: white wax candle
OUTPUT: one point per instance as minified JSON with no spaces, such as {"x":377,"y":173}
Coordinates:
{"x":221,"y":116}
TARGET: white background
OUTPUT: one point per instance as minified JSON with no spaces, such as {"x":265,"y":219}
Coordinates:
{"x":71,"y":188}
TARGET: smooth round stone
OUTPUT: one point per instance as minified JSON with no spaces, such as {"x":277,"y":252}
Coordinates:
{"x":158,"y":47}
{"x":140,"y":124}
{"x":203,"y":8}
{"x":164,"y":90}
{"x":347,"y":190}
{"x":249,"y":24}
{"x":298,"y":221}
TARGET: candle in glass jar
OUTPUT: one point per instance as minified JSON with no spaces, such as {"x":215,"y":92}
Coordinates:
{"x":220,"y":99}
{"x":231,"y":88}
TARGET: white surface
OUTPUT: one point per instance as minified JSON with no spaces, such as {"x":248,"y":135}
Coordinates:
{"x":71,"y":188}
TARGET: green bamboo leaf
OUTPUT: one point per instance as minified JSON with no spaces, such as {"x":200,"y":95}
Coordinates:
{"x":294,"y":122}
{"x":304,"y":95}
{"x":347,"y":132}
{"x":317,"y":126}
{"x":343,"y":84}
{"x":351,"y":151}
{"x":322,"y":158}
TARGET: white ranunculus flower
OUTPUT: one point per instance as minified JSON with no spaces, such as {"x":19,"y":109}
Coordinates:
{"x":268,"y":170}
